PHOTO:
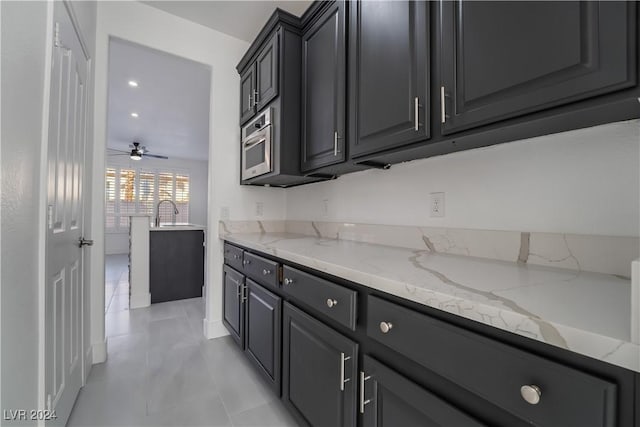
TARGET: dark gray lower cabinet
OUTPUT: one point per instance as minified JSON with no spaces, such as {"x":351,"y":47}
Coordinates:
{"x":176,"y":265}
{"x":262,"y":331}
{"x":388,"y":399}
{"x":233,"y":291}
{"x":319,"y":371}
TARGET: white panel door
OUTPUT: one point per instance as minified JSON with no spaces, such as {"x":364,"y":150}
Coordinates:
{"x":64,"y":262}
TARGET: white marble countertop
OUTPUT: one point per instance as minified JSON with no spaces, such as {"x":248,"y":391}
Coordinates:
{"x":587,"y":313}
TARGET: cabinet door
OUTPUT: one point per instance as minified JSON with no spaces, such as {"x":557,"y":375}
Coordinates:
{"x":247,"y":94}
{"x":262,"y":334}
{"x":267,"y":74}
{"x":323,"y":90}
{"x":389,"y":74}
{"x":504,"y":59}
{"x":176,"y":265}
{"x":319,"y":368}
{"x":233,"y":318}
{"x":389,"y":399}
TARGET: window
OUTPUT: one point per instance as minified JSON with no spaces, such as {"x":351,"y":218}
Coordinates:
{"x":138,"y":191}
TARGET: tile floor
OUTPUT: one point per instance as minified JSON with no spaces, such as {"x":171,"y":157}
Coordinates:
{"x":162,"y":372}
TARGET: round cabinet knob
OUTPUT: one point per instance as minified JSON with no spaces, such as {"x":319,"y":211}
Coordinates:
{"x":531,"y":394}
{"x":235,"y":257}
{"x":288,"y":281}
{"x":331,"y":303}
{"x":385,"y":327}
{"x":246,"y":262}
{"x":265,"y":272}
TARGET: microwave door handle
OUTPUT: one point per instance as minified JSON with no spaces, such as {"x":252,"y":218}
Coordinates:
{"x":250,"y":144}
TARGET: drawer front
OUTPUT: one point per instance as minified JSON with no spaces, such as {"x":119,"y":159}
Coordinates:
{"x":233,"y":256}
{"x":334,"y":301}
{"x":493,"y":370}
{"x":261,"y":270}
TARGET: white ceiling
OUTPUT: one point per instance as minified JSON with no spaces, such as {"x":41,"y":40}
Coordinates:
{"x":172,"y":101}
{"x":242,"y":19}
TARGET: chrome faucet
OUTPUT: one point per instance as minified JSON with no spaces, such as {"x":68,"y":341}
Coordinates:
{"x":175,"y":211}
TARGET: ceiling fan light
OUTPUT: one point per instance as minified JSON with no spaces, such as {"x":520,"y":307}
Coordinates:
{"x":135,"y":156}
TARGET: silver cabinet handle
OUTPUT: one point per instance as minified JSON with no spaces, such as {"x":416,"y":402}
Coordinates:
{"x":250,"y":102}
{"x":335,"y":143}
{"x":531,"y":394}
{"x":442,"y":106}
{"x":266,"y":272}
{"x":246,"y":262}
{"x":362,"y":401}
{"x":343,"y":359}
{"x":255,"y":97}
{"x":416,"y":111}
{"x":236,"y":256}
{"x":288,"y":281}
{"x":331,"y":303}
{"x":385,"y":327}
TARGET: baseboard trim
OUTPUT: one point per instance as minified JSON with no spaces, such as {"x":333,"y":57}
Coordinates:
{"x":140,"y":300}
{"x":214,"y":329}
{"x":99,"y":352}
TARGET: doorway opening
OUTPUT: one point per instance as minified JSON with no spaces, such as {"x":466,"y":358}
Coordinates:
{"x":157,"y":155}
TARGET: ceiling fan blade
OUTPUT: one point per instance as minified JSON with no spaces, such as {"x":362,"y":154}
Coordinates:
{"x":119,"y":154}
{"x":156,"y":156}
{"x":119,"y":151}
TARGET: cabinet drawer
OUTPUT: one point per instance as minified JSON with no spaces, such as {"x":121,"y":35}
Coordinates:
{"x":493,"y":370}
{"x":233,"y":256}
{"x":335,"y":301}
{"x":261,"y":270}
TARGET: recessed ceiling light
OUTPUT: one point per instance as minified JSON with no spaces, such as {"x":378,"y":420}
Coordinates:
{"x":134,"y":115}
{"x":133,"y":83}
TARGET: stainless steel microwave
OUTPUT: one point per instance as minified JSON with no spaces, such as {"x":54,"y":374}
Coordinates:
{"x":257,"y":146}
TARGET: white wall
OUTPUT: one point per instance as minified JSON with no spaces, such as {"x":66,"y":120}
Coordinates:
{"x":118,"y":243}
{"x":26,"y":53}
{"x":584,"y":181}
{"x":151,"y":27}
{"x":23,"y":61}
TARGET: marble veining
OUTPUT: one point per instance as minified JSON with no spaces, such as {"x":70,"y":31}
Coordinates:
{"x":585,"y":312}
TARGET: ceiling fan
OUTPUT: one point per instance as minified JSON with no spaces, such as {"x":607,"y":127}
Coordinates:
{"x":137,"y":152}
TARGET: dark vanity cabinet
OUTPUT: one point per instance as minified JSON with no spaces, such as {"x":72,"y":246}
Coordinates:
{"x":343,"y":354}
{"x":319,"y":371}
{"x":176,"y":264}
{"x":323,"y":89}
{"x":251,"y":313}
{"x":388,"y":399}
{"x":506,"y":59}
{"x":389,"y":70}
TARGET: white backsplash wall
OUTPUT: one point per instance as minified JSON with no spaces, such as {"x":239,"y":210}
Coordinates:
{"x":118,"y":243}
{"x":585,"y":181}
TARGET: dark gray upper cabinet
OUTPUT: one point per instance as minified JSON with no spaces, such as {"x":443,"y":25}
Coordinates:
{"x":388,"y":74}
{"x":319,"y":371}
{"x":323,"y":89}
{"x":247,"y":93}
{"x":259,"y":80}
{"x":262,"y":331}
{"x":392,"y":400}
{"x":506,"y":59}
{"x":233,"y":313}
{"x":267,"y":74}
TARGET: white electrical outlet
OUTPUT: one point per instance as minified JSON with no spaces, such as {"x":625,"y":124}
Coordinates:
{"x":259,"y":209}
{"x":325,"y":207}
{"x":437,"y":205}
{"x":224,"y":213}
